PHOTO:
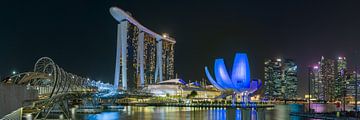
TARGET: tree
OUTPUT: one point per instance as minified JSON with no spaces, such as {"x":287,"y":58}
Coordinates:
{"x":192,"y":94}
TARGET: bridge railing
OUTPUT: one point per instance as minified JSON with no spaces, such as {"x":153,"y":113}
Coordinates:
{"x":15,"y":115}
{"x":44,"y":90}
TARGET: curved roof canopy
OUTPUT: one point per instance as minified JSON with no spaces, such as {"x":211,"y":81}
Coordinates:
{"x":171,"y":81}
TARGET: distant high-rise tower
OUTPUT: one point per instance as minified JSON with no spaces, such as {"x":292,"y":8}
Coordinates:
{"x":350,"y":80}
{"x":316,"y":84}
{"x":341,"y":81}
{"x":291,"y":80}
{"x":142,"y":56}
{"x":280,"y":79}
{"x":327,"y":77}
{"x":324,"y":80}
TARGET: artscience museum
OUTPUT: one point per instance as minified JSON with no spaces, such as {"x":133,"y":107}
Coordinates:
{"x":238,"y":82}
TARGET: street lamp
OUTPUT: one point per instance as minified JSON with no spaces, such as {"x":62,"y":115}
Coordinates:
{"x":14,"y":72}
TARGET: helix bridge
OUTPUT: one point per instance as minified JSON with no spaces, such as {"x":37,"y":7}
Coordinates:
{"x":56,"y":88}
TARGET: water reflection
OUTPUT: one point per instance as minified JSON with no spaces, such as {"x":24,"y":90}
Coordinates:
{"x":280,"y":112}
{"x":103,"y":116}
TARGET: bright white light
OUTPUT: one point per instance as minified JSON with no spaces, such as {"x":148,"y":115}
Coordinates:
{"x":316,"y":67}
{"x":14,"y":72}
{"x":165,"y":35}
{"x":49,"y":74}
{"x":340,"y":58}
{"x":279,"y":60}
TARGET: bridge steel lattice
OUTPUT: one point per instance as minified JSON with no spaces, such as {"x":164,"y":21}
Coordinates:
{"x":55,"y":86}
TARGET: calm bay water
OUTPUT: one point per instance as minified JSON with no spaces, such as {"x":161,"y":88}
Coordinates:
{"x":279,"y":112}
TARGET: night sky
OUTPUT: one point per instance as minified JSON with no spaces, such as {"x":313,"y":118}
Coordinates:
{"x":80,"y":35}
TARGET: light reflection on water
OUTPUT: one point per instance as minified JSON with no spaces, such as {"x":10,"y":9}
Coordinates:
{"x":103,"y":116}
{"x":279,"y":112}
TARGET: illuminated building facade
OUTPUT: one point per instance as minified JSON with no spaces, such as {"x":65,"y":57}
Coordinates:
{"x":327,"y":78}
{"x":168,"y":60}
{"x":291,"y":79}
{"x":143,"y":57}
{"x":348,"y":84}
{"x":175,"y":87}
{"x":281,"y":80}
{"x":323,"y":77}
{"x":316,"y":83}
{"x":341,"y":81}
{"x":149,"y":59}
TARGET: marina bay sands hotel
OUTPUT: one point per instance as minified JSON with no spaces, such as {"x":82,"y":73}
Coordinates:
{"x":143,"y":57}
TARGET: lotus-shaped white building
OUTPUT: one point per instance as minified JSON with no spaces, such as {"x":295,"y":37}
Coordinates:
{"x":239,"y":82}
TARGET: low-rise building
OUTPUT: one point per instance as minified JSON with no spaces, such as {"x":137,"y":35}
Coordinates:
{"x":174,"y":87}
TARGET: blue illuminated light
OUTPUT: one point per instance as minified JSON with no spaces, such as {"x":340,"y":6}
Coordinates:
{"x":212,"y":81}
{"x":239,"y":81}
{"x":103,"y":116}
{"x":197,"y":84}
{"x":182,"y":81}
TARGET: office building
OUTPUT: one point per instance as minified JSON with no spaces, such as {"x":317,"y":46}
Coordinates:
{"x":280,"y":79}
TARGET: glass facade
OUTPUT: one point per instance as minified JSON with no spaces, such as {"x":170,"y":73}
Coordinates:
{"x":316,"y":83}
{"x":340,"y":87}
{"x":280,"y":79}
{"x":149,"y":59}
{"x":132,"y":55}
{"x":168,"y":60}
{"x":350,"y":84}
{"x":327,"y":78}
{"x":291,"y":80}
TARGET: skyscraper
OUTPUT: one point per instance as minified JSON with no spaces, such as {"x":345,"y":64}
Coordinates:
{"x":316,"y":84}
{"x":291,"y":80}
{"x":340,"y":82}
{"x":142,"y":56}
{"x":327,"y":76}
{"x":350,"y":84}
{"x":324,"y":80}
{"x":280,"y":79}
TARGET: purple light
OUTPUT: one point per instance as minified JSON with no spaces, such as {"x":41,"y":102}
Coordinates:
{"x":316,"y":67}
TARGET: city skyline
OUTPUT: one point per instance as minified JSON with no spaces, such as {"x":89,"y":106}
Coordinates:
{"x":84,"y":36}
